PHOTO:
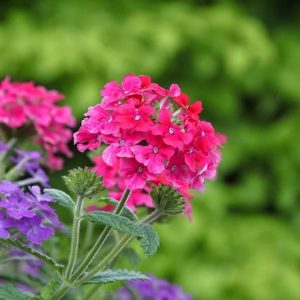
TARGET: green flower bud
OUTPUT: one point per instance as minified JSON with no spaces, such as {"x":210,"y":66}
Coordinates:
{"x":83,"y":182}
{"x":167,"y":200}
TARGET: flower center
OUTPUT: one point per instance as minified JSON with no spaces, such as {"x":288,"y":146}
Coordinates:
{"x":140,"y":169}
{"x":137,"y":117}
{"x":109,"y":120}
{"x":202,"y":133}
{"x":121,"y":142}
{"x":155,"y":150}
{"x":191,"y":150}
{"x":171,"y":130}
{"x":173,"y":168}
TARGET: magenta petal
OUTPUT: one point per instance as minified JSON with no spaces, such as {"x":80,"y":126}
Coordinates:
{"x":109,"y":155}
{"x":156,"y":164}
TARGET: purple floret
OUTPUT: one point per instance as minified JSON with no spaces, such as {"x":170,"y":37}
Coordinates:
{"x":26,"y":214}
{"x":32,"y":165}
{"x":152,"y":289}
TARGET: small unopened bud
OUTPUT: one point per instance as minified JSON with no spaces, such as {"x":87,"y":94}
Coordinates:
{"x":167,"y":200}
{"x":83,"y":182}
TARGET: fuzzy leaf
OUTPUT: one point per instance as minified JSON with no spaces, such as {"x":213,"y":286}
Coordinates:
{"x":60,"y":197}
{"x":9,"y":292}
{"x":111,"y":276}
{"x":148,"y":238}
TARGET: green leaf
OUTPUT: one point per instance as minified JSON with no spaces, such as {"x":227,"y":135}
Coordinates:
{"x":60,"y":197}
{"x":9,"y":292}
{"x":148,"y":238}
{"x":111,"y":276}
{"x":45,"y":258}
{"x":126,"y":212}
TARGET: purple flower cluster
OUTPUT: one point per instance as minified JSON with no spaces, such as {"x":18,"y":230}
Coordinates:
{"x":26,"y":216}
{"x":153,"y":289}
{"x":29,"y":162}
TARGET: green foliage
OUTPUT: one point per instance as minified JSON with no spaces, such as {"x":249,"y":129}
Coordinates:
{"x":60,"y":197}
{"x":9,"y":292}
{"x":110,"y":276}
{"x":148,"y":238}
{"x":242,"y":58}
{"x":83,"y":182}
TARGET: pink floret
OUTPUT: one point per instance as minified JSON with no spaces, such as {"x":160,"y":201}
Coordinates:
{"x":25,"y":104}
{"x":152,"y":136}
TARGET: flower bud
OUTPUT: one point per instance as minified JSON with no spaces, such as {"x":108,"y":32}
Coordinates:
{"x":167,"y":200}
{"x":83,"y":182}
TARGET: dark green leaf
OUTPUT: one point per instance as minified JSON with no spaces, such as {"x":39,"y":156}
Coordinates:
{"x":110,"y":276}
{"x":60,"y":197}
{"x":9,"y":292}
{"x":148,"y":238}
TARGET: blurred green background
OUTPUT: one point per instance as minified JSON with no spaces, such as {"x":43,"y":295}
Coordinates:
{"x":242,"y":58}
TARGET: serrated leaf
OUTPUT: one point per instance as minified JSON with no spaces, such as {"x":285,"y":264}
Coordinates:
{"x":9,"y":292}
{"x":42,"y":256}
{"x":148,"y":238}
{"x":126,"y":212}
{"x":117,"y":222}
{"x":60,"y":197}
{"x":111,"y":276}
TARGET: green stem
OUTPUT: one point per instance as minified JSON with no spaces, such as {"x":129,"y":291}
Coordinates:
{"x":28,"y":181}
{"x":101,"y":240}
{"x":48,"y":260}
{"x":60,"y":292}
{"x":4,"y":154}
{"x":92,"y":291}
{"x":75,"y":238}
{"x":13,"y":173}
{"x":152,"y":217}
{"x":107,"y":260}
{"x":116,"y":250}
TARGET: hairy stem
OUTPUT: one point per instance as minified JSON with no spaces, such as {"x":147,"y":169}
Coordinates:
{"x":107,"y":260}
{"x":116,"y":250}
{"x":101,"y":240}
{"x":75,"y":238}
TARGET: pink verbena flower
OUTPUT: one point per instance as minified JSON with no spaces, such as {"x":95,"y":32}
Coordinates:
{"x":152,"y":136}
{"x":25,"y":104}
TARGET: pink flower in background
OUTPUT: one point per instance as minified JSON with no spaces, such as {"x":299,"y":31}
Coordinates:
{"x":25,"y":104}
{"x":152,"y":136}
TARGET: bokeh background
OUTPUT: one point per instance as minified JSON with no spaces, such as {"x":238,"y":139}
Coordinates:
{"x":242,"y":58}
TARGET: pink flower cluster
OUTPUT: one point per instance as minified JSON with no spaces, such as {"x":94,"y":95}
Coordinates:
{"x":25,"y":104}
{"x":153,"y":136}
